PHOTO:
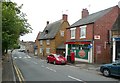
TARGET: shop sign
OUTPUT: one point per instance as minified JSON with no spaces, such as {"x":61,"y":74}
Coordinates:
{"x":82,"y":53}
{"x":97,"y":37}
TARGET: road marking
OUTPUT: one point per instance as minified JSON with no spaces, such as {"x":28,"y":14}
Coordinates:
{"x":51,"y":69}
{"x":42,"y":66}
{"x":34,"y":62}
{"x":19,"y":74}
{"x":75,"y":78}
{"x":25,"y":57}
{"x":20,"y":57}
{"x":29,"y":57}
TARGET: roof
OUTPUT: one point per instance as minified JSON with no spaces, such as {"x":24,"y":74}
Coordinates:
{"x":116,"y":25}
{"x":52,"y":29}
{"x":91,"y":18}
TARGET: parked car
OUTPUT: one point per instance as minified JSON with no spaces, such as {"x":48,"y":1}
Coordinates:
{"x":56,"y":59}
{"x":111,"y":69}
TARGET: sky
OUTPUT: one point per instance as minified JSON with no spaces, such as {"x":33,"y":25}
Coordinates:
{"x":40,"y":11}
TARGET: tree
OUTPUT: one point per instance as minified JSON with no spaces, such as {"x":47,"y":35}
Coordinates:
{"x":14,"y":25}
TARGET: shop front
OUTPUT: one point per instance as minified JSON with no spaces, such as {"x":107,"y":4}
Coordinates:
{"x":82,"y":51}
{"x":116,"y":49}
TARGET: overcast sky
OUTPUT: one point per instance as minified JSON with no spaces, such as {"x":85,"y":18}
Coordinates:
{"x":40,"y":11}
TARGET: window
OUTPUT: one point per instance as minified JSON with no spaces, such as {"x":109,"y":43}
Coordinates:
{"x":72,"y":33}
{"x":41,"y":50}
{"x":47,"y":50}
{"x":83,"y":31}
{"x":62,"y":33}
{"x":41,"y":42}
{"x":48,"y":42}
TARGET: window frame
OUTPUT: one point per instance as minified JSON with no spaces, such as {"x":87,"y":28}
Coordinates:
{"x":83,"y":31}
{"x":41,"y":42}
{"x":72,"y":34}
{"x":47,"y":49}
{"x":48,"y":42}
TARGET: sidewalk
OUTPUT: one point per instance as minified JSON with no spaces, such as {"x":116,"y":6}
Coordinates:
{"x":0,"y":70}
{"x":7,"y":69}
{"x":88,"y":66}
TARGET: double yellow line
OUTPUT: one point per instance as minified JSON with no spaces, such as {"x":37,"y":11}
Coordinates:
{"x":19,"y":74}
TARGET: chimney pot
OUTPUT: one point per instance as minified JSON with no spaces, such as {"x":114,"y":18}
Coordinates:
{"x":65,"y":17}
{"x":47,"y":22}
{"x":85,"y":13}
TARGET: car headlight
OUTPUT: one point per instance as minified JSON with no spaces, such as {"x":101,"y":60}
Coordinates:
{"x":57,"y":59}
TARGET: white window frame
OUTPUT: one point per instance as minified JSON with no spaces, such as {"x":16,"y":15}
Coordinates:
{"x":41,"y":50}
{"x":41,"y":42}
{"x":73,"y":31}
{"x":48,"y":42}
{"x":47,"y":50}
{"x":62,"y":33}
{"x":83,"y":31}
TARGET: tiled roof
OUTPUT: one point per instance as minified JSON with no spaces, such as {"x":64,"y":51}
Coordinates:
{"x":91,"y":18}
{"x":116,"y":25}
{"x":52,"y":29}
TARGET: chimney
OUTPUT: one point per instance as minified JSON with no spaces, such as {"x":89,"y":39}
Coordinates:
{"x":85,"y":13}
{"x":47,"y":22}
{"x":64,"y":17}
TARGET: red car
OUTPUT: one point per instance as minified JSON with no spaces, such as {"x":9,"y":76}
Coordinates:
{"x":56,"y":59}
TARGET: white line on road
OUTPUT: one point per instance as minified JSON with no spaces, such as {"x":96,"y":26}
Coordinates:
{"x":51,"y":69}
{"x":15,"y":57}
{"x":34,"y":62}
{"x":42,"y":66}
{"x":20,"y":57}
{"x":74,"y":78}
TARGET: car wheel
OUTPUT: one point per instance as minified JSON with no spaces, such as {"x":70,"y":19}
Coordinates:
{"x":54,"y":62}
{"x":47,"y":61}
{"x":106,"y":72}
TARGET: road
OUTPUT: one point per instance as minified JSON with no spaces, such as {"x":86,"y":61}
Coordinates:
{"x":34,"y":69}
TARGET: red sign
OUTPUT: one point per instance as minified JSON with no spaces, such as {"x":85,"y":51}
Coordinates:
{"x":82,"y":53}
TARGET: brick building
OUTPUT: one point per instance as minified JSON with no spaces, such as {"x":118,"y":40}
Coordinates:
{"x":89,"y":38}
{"x":52,"y":39}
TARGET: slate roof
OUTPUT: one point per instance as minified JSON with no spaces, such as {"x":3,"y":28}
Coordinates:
{"x":52,"y":28}
{"x":91,"y":18}
{"x":116,"y":25}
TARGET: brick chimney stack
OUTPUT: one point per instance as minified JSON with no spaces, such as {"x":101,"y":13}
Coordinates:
{"x":85,"y":13}
{"x":65,"y":17}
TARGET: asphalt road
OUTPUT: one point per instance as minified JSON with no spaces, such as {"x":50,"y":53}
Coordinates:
{"x":34,"y":69}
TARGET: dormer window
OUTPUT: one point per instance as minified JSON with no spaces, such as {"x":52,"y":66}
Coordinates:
{"x":46,"y":31}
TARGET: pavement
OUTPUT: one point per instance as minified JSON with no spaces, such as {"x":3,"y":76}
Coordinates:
{"x":7,"y":69}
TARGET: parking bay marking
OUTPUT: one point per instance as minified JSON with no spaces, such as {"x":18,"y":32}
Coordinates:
{"x":51,"y":69}
{"x":75,"y":78}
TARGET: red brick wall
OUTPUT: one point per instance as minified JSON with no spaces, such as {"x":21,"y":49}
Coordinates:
{"x":101,"y":28}
{"x":89,"y":33}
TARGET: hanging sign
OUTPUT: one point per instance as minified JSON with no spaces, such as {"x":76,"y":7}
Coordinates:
{"x":97,"y":37}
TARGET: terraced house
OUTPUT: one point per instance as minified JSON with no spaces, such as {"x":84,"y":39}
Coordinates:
{"x":90,"y":38}
{"x":52,"y":39}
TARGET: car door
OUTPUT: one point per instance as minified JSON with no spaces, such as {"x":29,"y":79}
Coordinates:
{"x":52,"y":58}
{"x":114,"y":69}
{"x":118,"y":65}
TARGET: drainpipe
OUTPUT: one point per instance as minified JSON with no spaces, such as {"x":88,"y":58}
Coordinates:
{"x":93,"y":44}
